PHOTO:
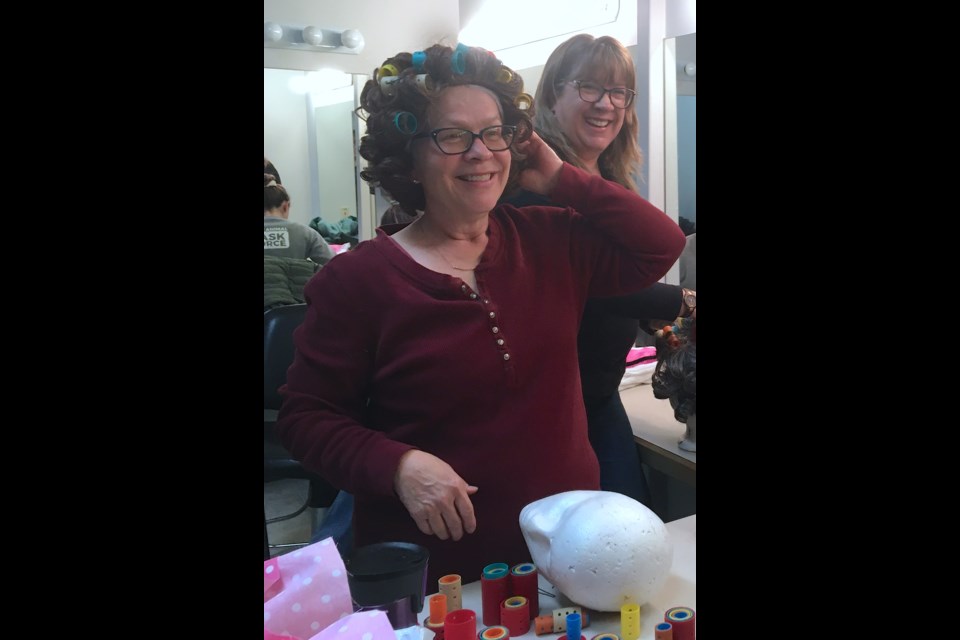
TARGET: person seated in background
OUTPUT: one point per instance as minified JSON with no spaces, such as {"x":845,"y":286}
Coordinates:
{"x":286,"y":239}
{"x":435,"y":376}
{"x":284,"y":280}
{"x":584,"y":112}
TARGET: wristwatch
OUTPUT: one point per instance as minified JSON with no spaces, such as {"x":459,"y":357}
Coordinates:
{"x":689,"y":303}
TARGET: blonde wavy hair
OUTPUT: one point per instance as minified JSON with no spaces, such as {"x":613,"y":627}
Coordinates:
{"x":600,"y":59}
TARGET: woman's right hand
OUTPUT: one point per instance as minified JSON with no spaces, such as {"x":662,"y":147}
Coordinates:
{"x":542,"y":168}
{"x":436,"y":497}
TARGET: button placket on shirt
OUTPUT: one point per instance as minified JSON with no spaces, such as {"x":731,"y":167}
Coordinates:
{"x":492,"y":317}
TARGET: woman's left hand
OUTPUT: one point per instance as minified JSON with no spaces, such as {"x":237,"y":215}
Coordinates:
{"x":543,"y":165}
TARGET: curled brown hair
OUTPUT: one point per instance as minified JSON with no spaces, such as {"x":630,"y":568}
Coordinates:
{"x":601,"y":59}
{"x":386,"y":145}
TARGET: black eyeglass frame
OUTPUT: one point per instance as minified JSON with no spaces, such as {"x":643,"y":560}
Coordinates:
{"x":512,"y":128}
{"x":631,"y":94}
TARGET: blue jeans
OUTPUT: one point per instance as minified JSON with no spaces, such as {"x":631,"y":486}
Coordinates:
{"x":338,"y":524}
{"x":612,"y":439}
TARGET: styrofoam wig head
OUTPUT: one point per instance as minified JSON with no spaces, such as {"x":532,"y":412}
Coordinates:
{"x":601,"y":549}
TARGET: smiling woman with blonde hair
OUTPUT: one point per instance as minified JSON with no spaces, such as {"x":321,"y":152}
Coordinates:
{"x":579,"y":70}
{"x":585,"y":112}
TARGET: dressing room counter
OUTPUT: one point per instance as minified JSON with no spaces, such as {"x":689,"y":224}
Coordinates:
{"x":679,"y":590}
{"x":658,"y":434}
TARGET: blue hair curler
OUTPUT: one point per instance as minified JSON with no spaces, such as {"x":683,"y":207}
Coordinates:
{"x":419,"y":57}
{"x":405,"y":122}
{"x":458,"y":61}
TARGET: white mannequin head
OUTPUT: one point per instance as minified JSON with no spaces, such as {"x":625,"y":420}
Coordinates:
{"x":601,"y":549}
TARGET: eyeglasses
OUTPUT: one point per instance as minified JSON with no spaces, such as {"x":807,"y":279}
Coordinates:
{"x":620,"y":97}
{"x":453,"y":141}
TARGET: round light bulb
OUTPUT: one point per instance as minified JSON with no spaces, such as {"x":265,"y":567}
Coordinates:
{"x":690,"y":69}
{"x":272,"y":31}
{"x":352,"y":39}
{"x":313,"y":35}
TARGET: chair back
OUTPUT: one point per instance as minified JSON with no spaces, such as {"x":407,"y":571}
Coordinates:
{"x":278,"y":326}
{"x":278,"y":351}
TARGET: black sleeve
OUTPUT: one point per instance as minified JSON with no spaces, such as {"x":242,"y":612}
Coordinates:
{"x":657,"y":302}
{"x":524,"y":198}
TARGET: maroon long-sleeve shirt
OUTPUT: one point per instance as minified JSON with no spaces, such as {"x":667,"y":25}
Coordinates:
{"x":393,"y":356}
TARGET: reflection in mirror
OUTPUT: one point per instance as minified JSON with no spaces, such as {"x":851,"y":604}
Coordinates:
{"x":310,"y":134}
{"x":680,"y":118}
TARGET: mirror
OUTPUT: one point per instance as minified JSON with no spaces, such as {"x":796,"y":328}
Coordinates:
{"x":680,"y":120}
{"x":310,"y":133}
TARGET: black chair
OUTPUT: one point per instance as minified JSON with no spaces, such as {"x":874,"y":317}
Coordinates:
{"x":278,"y":326}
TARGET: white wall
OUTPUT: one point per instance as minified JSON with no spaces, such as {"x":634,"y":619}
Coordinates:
{"x":335,"y":161}
{"x":409,"y":26}
{"x":387,"y":28}
{"x":687,"y":156}
{"x":664,"y":19}
{"x":286,"y":139}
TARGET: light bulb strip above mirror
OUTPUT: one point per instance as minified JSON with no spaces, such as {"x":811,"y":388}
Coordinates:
{"x":312,"y":38}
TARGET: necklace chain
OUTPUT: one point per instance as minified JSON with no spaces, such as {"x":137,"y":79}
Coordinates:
{"x":452,"y":266}
{"x":421,"y":229}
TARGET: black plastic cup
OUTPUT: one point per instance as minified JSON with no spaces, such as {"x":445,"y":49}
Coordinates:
{"x":391,"y":577}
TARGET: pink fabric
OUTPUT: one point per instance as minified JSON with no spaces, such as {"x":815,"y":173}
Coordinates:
{"x":305,"y":591}
{"x":363,"y":625}
{"x":642,"y":352}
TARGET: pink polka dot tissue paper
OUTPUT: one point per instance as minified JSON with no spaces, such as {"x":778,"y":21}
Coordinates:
{"x":306,"y":596}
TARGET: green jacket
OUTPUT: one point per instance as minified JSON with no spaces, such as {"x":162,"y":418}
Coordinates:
{"x":284,"y":279}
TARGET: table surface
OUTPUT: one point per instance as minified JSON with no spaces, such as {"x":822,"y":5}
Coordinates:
{"x":654,"y":426}
{"x":679,"y":590}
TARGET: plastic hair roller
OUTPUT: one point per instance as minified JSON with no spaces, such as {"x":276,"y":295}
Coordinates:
{"x":557,"y":621}
{"x":523,"y":578}
{"x":388,"y":70}
{"x":663,"y":631}
{"x":504,"y":75}
{"x":388,"y":85}
{"x":460,"y":625}
{"x":560,"y":617}
{"x":515,"y":615}
{"x":458,"y":62}
{"x":494,"y":588}
{"x":523,"y":101}
{"x":405,"y":122}
{"x":684,"y":621}
{"x":451,"y":586}
{"x":630,"y":621}
{"x":419,"y":57}
{"x":424,"y":81}
{"x":573,"y":627}
{"x":494,"y":633}
{"x":438,"y":612}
